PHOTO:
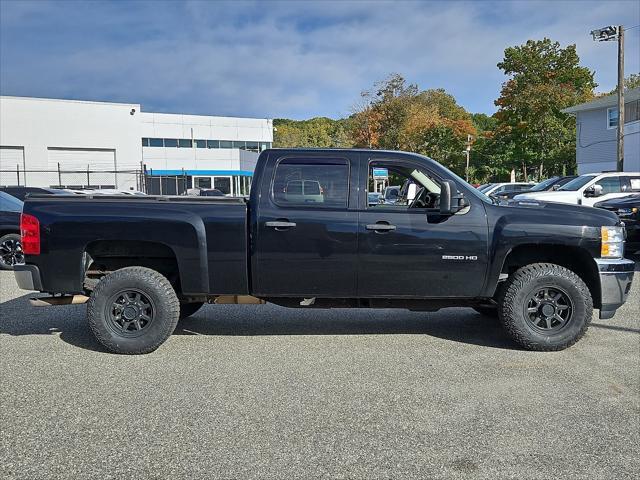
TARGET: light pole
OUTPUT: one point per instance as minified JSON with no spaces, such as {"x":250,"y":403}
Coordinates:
{"x":607,"y":34}
{"x":467,"y":152}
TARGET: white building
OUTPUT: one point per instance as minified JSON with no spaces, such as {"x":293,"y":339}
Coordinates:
{"x":78,"y":144}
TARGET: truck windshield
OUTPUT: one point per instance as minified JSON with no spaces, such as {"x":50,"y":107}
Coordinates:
{"x":576,"y":183}
{"x":9,"y":203}
{"x":542,"y":186}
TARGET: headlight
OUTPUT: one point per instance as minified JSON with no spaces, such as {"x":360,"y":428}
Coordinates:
{"x":612,"y":245}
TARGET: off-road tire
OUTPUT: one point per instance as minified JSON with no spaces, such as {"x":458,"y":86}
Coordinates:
{"x":524,"y":283}
{"x":188,"y":309}
{"x":159,"y":292}
{"x":487,"y":311}
{"x":14,"y":240}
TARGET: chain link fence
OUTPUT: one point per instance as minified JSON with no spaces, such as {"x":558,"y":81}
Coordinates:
{"x":86,"y":179}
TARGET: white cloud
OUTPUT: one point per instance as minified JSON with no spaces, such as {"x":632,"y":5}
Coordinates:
{"x":295,"y":59}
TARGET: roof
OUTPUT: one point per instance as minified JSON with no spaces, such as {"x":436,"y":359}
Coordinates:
{"x":630,"y":95}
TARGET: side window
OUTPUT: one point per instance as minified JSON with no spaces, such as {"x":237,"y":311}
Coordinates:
{"x":630,"y":184}
{"x":309,"y":183}
{"x":609,"y":185}
{"x":401,"y":187}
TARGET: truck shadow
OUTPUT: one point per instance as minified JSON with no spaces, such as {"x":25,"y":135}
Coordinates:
{"x":18,"y":317}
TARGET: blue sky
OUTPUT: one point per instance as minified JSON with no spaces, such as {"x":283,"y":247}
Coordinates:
{"x":286,"y":59}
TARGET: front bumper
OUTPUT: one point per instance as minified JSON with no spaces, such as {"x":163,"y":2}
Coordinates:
{"x":616,"y":276}
{"x":28,"y":277}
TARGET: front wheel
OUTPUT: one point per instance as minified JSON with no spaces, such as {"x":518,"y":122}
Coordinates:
{"x":133,"y":310}
{"x":545,"y":307}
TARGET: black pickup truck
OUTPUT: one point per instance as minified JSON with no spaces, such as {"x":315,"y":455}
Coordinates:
{"x":308,"y":238}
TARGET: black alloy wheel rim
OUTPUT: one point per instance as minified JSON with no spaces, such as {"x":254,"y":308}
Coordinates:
{"x":130,"y":313}
{"x":548,"y":310}
{"x":11,"y":253}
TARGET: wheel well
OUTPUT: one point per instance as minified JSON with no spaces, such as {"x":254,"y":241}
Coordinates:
{"x":105,"y":256}
{"x":7,"y":231}
{"x":576,"y":259}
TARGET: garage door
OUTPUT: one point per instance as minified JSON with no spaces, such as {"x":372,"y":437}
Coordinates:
{"x":82,"y":168}
{"x":10,"y":158}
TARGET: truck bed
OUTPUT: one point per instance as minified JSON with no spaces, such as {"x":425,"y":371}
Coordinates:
{"x":206,"y":238}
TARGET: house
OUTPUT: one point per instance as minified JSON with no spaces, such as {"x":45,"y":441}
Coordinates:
{"x":596,"y":131}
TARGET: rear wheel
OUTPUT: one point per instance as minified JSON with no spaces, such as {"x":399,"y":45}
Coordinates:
{"x":188,"y":309}
{"x":133,"y":310}
{"x":10,"y":251}
{"x":545,"y":307}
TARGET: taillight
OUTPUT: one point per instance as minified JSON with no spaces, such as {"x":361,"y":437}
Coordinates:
{"x":30,"y":233}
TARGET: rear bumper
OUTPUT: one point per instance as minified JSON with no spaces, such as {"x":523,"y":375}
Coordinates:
{"x":28,"y":277}
{"x":616,"y":276}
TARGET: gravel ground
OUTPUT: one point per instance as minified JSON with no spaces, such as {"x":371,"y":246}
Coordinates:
{"x":264,"y":392}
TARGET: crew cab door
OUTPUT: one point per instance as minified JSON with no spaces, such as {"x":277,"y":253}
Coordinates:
{"x":305,"y":233}
{"x":407,"y":249}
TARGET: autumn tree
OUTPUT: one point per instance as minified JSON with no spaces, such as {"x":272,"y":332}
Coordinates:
{"x":398,"y":116}
{"x":543,"y":79}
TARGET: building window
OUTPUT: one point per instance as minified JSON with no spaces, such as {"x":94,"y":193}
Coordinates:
{"x":184,"y":143}
{"x":156,"y":142}
{"x":226,"y":144}
{"x":612,"y":117}
{"x":201,"y":144}
{"x":240,"y":145}
{"x":145,"y":142}
{"x":631,"y":114}
{"x":253,"y":146}
{"x":632,"y":111}
{"x":170,"y":142}
{"x":213,"y":144}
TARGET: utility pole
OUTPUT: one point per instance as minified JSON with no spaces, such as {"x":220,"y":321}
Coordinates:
{"x":467,"y":151}
{"x":620,"y":156}
{"x":607,"y":34}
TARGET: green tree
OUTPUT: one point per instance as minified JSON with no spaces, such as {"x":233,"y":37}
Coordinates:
{"x":632,"y":81}
{"x":315,"y":132}
{"x":543,"y":79}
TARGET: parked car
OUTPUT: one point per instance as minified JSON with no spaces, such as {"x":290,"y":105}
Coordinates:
{"x":590,"y":188}
{"x":10,"y":247}
{"x":548,"y":185}
{"x":21,"y":192}
{"x":374,"y":198}
{"x":540,"y":268}
{"x":484,"y":186}
{"x":211,"y":192}
{"x":628,"y":210}
{"x":498,"y":189}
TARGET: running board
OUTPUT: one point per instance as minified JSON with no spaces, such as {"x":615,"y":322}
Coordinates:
{"x":63,"y":300}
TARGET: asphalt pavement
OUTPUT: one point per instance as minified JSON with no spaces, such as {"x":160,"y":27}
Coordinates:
{"x":261,"y":392}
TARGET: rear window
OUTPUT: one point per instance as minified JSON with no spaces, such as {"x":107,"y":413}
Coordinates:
{"x":311,"y":183}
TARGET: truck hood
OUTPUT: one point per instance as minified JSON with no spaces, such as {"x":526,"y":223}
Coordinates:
{"x":557,"y":213}
{"x":623,"y":202}
{"x":550,"y":196}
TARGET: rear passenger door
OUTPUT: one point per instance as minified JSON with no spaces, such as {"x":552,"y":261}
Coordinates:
{"x":306,"y":234}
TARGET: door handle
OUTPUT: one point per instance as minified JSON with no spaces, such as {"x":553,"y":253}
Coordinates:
{"x":278,"y":225}
{"x":381,"y":227}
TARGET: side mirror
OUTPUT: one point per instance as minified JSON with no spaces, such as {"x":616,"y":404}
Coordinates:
{"x":451,"y":201}
{"x":593,"y":191}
